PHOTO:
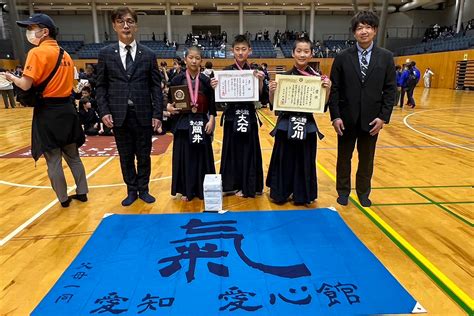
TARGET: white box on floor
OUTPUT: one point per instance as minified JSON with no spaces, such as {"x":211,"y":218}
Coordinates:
{"x":212,"y":182}
{"x":213,"y":204}
{"x":212,"y":194}
{"x":212,"y":207}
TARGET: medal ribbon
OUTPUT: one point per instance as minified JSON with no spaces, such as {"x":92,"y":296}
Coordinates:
{"x":238,"y":66}
{"x":314,"y":73}
{"x":193,"y":93}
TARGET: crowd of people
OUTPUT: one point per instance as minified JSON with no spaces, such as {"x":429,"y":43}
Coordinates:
{"x":436,"y":31}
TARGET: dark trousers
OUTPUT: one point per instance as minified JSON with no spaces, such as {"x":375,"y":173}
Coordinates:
{"x":366,"y":150}
{"x":8,"y":95}
{"x":398,"y":95}
{"x":402,"y":96}
{"x":134,"y":141}
{"x":411,"y":100}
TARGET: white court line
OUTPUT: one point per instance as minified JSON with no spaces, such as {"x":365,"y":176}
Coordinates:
{"x":47,"y":207}
{"x":405,"y":121}
{"x":90,"y":187}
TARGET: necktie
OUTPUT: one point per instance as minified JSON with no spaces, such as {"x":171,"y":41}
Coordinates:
{"x":128,"y":59}
{"x":364,"y":65}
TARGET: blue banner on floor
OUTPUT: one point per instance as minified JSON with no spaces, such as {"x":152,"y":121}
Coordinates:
{"x":239,"y":263}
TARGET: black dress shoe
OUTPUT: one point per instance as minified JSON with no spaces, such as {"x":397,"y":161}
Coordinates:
{"x":66,"y":203}
{"x":365,"y":201}
{"x":343,"y":200}
{"x":146,"y":197}
{"x":79,"y":197}
{"x":131,"y":197}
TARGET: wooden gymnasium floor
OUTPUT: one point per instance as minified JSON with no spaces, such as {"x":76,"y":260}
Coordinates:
{"x":423,"y":195}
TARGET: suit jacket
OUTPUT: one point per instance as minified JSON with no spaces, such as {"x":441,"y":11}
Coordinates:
{"x":355,"y":101}
{"x":142,"y":85}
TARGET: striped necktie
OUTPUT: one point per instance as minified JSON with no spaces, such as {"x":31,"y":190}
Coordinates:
{"x":128,"y":58}
{"x":364,"y":65}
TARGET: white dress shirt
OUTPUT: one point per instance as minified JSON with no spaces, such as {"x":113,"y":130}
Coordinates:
{"x":123,"y":52}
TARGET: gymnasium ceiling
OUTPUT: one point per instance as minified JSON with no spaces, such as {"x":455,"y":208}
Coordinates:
{"x":227,"y":5}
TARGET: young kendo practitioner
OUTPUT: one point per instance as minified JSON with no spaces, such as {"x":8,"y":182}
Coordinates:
{"x":292,"y":170}
{"x":192,"y":142}
{"x":241,"y":161}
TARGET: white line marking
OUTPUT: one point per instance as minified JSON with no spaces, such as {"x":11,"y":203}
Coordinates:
{"x":99,"y":186}
{"x":405,"y":121}
{"x":47,"y":207}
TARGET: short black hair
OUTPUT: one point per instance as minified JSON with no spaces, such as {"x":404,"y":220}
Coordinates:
{"x":120,"y":12}
{"x":53,"y":31}
{"x":208,"y":65}
{"x":413,"y":63}
{"x":86,"y":88}
{"x":302,"y":40}
{"x":398,"y":67}
{"x":163,"y":64}
{"x":241,"y":39}
{"x":194,"y":48}
{"x":364,"y":17}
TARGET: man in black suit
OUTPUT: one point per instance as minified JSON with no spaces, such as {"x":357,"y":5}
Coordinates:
{"x":130,"y":101}
{"x":362,"y":96}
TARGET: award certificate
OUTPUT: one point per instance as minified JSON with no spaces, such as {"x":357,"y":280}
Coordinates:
{"x":236,"y":86}
{"x":299,"y":94}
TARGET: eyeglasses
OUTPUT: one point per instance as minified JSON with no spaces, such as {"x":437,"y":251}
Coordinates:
{"x":129,"y":22}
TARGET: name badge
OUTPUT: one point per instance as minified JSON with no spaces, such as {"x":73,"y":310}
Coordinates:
{"x":241,"y":121}
{"x":196,"y":132}
{"x":297,"y":127}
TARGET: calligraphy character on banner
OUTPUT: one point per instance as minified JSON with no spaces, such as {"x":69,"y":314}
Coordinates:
{"x":292,"y":170}
{"x":218,"y":231}
{"x":193,"y":156}
{"x":109,"y":304}
{"x":238,"y":299}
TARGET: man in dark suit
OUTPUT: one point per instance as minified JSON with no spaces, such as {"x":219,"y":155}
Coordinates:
{"x":362,"y":96}
{"x":130,"y":101}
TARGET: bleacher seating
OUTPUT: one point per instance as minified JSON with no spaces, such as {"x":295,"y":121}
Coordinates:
{"x":438,"y":45}
{"x":262,"y":49}
{"x":209,"y":51}
{"x":287,"y":48}
{"x":160,"y":49}
{"x":91,"y":51}
{"x":71,"y":46}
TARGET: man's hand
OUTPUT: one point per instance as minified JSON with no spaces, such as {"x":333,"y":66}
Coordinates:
{"x":272,"y":86}
{"x":214,"y":83}
{"x":338,"y":126}
{"x":209,"y":128}
{"x":171,"y":109}
{"x":377,"y":126}
{"x":156,"y":123}
{"x":108,"y":121}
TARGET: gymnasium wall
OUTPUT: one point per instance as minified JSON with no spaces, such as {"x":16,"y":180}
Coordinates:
{"x":442,"y":64}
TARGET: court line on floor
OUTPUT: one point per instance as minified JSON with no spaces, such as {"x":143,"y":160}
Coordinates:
{"x":426,"y":187}
{"x":405,"y":121}
{"x":448,"y":286}
{"x":49,"y":206}
{"x":421,"y":203}
{"x":443,"y":208}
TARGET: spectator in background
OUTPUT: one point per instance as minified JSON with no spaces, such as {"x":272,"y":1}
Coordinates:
{"x":88,"y":113}
{"x":427,"y":77}
{"x":164,"y":71}
{"x":6,"y":89}
{"x":399,"y":72}
{"x":208,"y":71}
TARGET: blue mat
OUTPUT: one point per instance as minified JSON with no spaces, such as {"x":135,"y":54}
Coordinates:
{"x":239,"y":263}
